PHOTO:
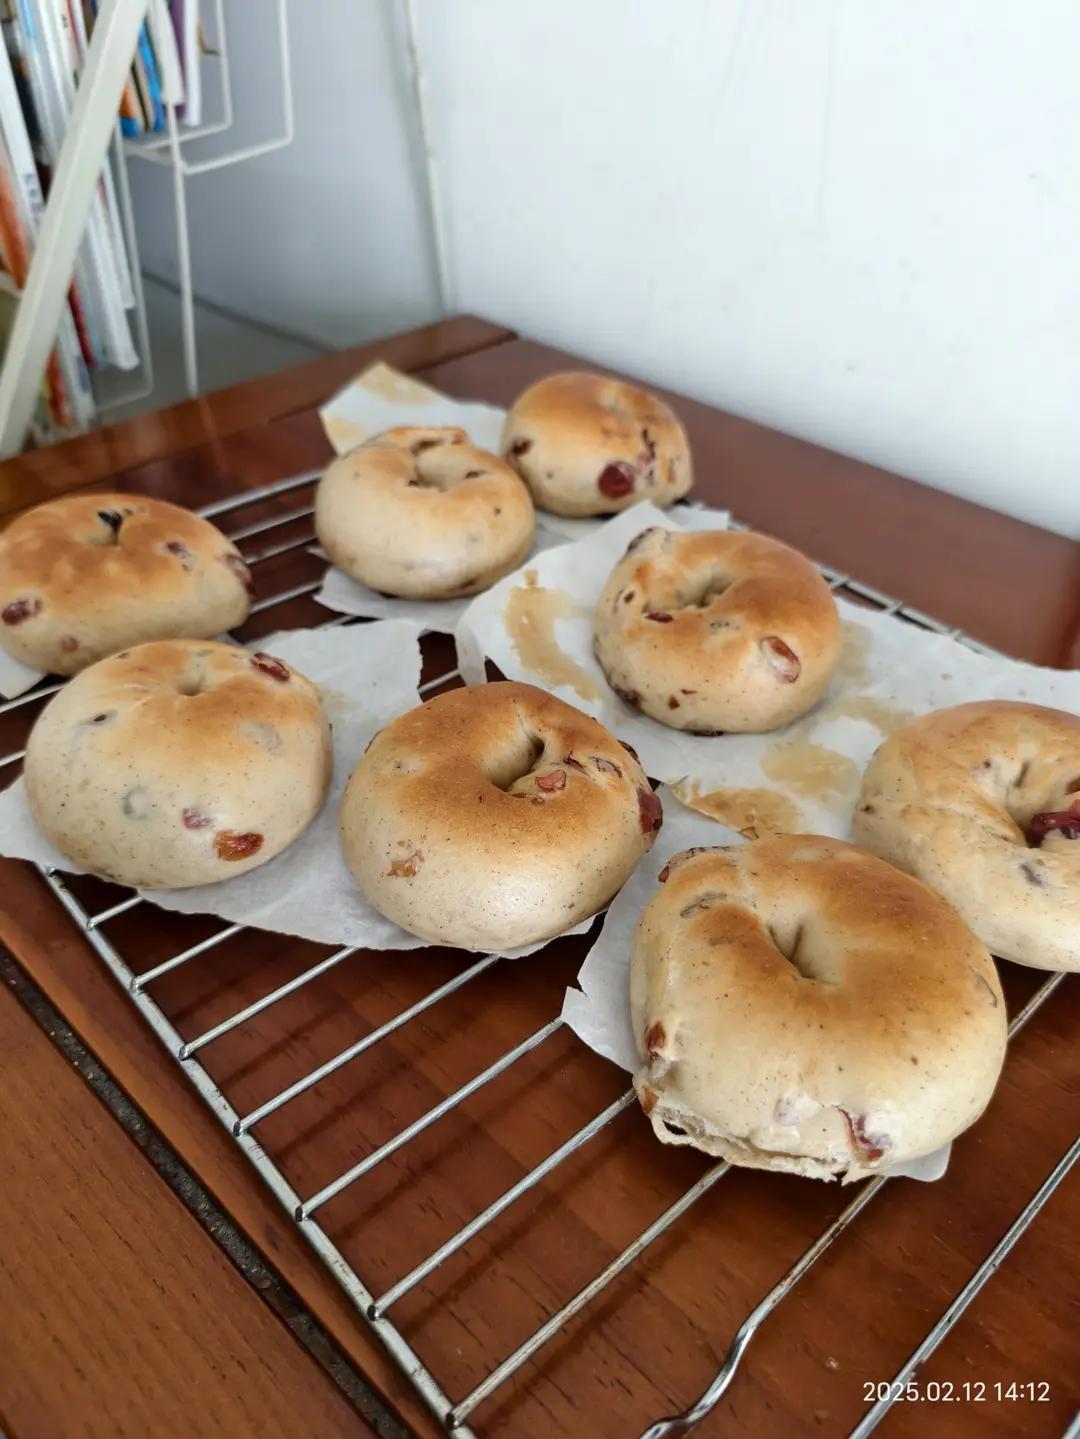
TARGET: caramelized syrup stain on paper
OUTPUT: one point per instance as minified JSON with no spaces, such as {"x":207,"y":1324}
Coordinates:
{"x":884,"y":717}
{"x":854,"y":652}
{"x":531,"y":613}
{"x":753,"y":812}
{"x":811,"y":770}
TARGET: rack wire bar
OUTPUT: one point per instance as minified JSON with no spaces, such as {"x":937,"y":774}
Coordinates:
{"x":30,"y":696}
{"x":505,"y":1200}
{"x":140,"y":981}
{"x":681,"y":1423}
{"x":573,"y":1306}
{"x":242,"y":1016}
{"x":986,"y":1270}
{"x":294,"y":594}
{"x":275,"y":522}
{"x":394,"y":1341}
{"x":425,"y":1121}
{"x":373,"y":1310}
{"x":361,"y":1045}
{"x":116,"y":909}
{"x":255,"y":497}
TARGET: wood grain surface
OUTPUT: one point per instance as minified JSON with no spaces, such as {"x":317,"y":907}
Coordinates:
{"x":39,"y":474}
{"x":118,"y":1315}
{"x":657,"y":1335}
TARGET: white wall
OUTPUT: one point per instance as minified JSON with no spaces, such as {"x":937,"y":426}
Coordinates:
{"x":328,"y":238}
{"x":856,"y":220}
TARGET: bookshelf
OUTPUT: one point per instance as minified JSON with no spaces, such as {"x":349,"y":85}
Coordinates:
{"x":91,"y":162}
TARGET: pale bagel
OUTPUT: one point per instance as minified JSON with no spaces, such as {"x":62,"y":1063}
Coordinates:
{"x":716,"y":630}
{"x":495,"y":816}
{"x":588,"y":445}
{"x":802,"y":1006}
{"x":982,"y":803}
{"x":85,"y":576}
{"x":178,"y":763}
{"x":422,"y":514}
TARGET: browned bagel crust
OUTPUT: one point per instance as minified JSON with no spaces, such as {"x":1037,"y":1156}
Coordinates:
{"x":717,"y":630}
{"x":495,"y":816}
{"x":423,"y":514}
{"x":87,"y":575}
{"x":590,"y":445}
{"x":179,"y":762}
{"x":800,"y":1005}
{"x":981,"y":801}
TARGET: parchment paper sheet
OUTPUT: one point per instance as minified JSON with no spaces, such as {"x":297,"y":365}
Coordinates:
{"x":368,"y":674}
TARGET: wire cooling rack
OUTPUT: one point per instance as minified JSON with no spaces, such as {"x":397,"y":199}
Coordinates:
{"x":375,"y":1307}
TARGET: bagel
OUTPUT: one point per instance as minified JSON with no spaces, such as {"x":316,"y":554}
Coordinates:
{"x":982,"y":803}
{"x":423,"y":514}
{"x":178,"y":763}
{"x":716,"y":631}
{"x":495,"y":816}
{"x":85,"y":576}
{"x":802,"y":1006}
{"x":588,"y":445}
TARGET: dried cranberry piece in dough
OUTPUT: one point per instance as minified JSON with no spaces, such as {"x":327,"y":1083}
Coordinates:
{"x":554,"y":780}
{"x":650,"y":810}
{"x":616,"y":480}
{"x":782,"y":658}
{"x":19,"y":610}
{"x":1065,"y":822}
{"x":233,"y":846}
{"x":268,"y":665}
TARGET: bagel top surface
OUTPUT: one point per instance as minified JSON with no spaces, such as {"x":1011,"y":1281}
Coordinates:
{"x":740,"y":630}
{"x":590,"y":445}
{"x":422,"y":512}
{"x":83,"y":576}
{"x":982,"y":801}
{"x":463,"y":761}
{"x":178,"y":762}
{"x":495,"y":815}
{"x":802,"y":1005}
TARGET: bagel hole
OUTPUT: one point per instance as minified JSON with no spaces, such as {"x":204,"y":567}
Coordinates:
{"x":792,"y":945}
{"x":515,"y":762}
{"x":111,"y":520}
{"x":192,"y":683}
{"x":706,"y":587}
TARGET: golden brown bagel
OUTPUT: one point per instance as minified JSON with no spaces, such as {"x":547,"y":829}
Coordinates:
{"x":495,"y":816}
{"x":716,"y":631}
{"x":178,"y":763}
{"x":423,"y":514}
{"x":588,"y":445}
{"x":800,"y":1005}
{"x":85,"y":576}
{"x":982,"y":803}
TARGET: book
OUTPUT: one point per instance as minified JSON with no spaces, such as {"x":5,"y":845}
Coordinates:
{"x":107,"y":186}
{"x":150,"y":69}
{"x":46,"y":27}
{"x":185,"y":19}
{"x":69,"y":362}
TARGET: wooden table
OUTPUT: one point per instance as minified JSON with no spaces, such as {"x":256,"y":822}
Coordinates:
{"x":96,"y":1360}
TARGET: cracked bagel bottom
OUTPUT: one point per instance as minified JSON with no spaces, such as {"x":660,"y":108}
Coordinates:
{"x":800,"y":1005}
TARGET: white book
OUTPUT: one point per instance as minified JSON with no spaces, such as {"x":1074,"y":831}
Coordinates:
{"x":58,"y":84}
{"x":163,"y":37}
{"x":188,"y":11}
{"x":31,"y":203}
{"x":112,"y":208}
